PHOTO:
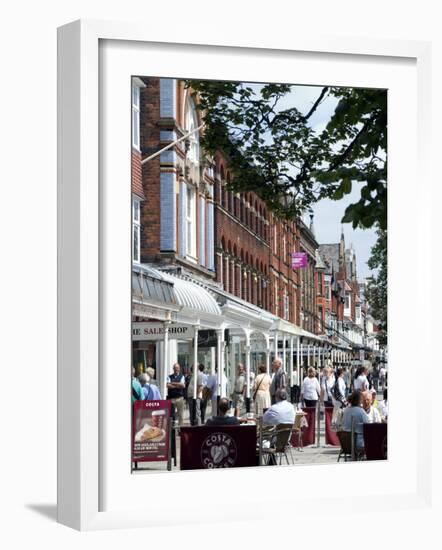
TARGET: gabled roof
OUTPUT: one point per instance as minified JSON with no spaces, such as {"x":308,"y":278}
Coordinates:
{"x":330,"y":256}
{"x":319,"y":263}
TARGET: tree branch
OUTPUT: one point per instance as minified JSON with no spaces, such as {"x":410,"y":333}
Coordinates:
{"x":316,"y":104}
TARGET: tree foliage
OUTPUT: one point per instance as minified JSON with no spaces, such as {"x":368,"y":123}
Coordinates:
{"x":273,"y":150}
{"x":376,"y":292}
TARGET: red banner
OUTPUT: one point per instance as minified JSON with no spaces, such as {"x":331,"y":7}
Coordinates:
{"x":207,"y":447}
{"x":151,"y":431}
{"x":308,"y":432}
{"x":331,"y":437}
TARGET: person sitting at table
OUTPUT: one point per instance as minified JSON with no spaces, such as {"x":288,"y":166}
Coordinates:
{"x":367,"y":405}
{"x":282,"y":412}
{"x":356,"y":416}
{"x":223,"y":419}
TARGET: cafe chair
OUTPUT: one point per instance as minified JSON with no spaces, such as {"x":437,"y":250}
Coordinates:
{"x":348,"y":446}
{"x":345,"y":441}
{"x":300,"y":422}
{"x":279,"y":445}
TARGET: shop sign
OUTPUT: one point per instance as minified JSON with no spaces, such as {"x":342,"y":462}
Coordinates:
{"x":299,"y":260}
{"x":150,"y":312}
{"x":151,"y":431}
{"x":155,"y":331}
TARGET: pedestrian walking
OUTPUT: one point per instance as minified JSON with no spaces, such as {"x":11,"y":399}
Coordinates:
{"x":310,"y":389}
{"x":176,"y":386}
{"x":279,"y":380}
{"x":261,"y":391}
{"x":327,"y":383}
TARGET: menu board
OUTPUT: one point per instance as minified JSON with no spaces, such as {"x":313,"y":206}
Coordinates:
{"x":151,"y":431}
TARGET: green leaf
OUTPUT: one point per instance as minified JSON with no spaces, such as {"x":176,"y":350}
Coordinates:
{"x":346,"y":186}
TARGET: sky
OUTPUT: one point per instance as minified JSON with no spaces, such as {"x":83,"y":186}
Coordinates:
{"x":328,"y":213}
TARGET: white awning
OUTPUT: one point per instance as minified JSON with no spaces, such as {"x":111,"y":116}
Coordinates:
{"x":198,"y":306}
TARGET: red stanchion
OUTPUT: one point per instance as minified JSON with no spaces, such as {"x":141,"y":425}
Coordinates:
{"x":331,"y":437}
{"x":308,"y":432}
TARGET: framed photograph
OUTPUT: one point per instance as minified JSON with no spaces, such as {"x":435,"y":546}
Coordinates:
{"x":222,"y":269}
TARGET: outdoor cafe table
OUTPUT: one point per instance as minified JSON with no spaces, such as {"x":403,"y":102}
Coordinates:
{"x":375,"y":441}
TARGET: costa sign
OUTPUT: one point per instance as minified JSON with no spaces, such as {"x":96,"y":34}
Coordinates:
{"x":155,"y":331}
{"x":218,"y":451}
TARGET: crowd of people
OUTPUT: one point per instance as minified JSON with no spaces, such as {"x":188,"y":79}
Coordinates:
{"x":352,"y":392}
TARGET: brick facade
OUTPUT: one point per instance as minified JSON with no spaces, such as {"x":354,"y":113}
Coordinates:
{"x":237,"y":241}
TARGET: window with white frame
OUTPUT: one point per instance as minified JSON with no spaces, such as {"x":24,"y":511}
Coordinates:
{"x":136,"y":237}
{"x":286,"y":305}
{"x":190,"y":222}
{"x":136,"y":115}
{"x":192,"y":124}
{"x":276,"y":298}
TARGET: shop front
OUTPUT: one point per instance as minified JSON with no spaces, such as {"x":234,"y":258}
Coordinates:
{"x":187,"y":335}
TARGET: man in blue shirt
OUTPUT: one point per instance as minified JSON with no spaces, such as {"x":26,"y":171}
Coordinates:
{"x":150,"y":391}
{"x":282,"y":412}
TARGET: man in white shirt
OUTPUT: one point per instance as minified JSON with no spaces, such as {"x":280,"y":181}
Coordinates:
{"x":282,"y":412}
{"x":212,"y":385}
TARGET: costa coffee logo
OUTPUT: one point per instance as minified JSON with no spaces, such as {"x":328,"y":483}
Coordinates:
{"x":218,"y":451}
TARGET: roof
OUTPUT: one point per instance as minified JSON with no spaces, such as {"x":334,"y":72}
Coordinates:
{"x":319,"y":262}
{"x":330,"y":256}
{"x":191,"y":295}
{"x":151,"y":288}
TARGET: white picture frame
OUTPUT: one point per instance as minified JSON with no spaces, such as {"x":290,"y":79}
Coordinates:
{"x":85,"y":315}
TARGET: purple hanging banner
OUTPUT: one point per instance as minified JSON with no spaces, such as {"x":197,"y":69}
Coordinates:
{"x":299,"y":259}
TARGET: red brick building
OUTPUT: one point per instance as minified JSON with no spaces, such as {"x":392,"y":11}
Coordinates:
{"x":191,"y":223}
